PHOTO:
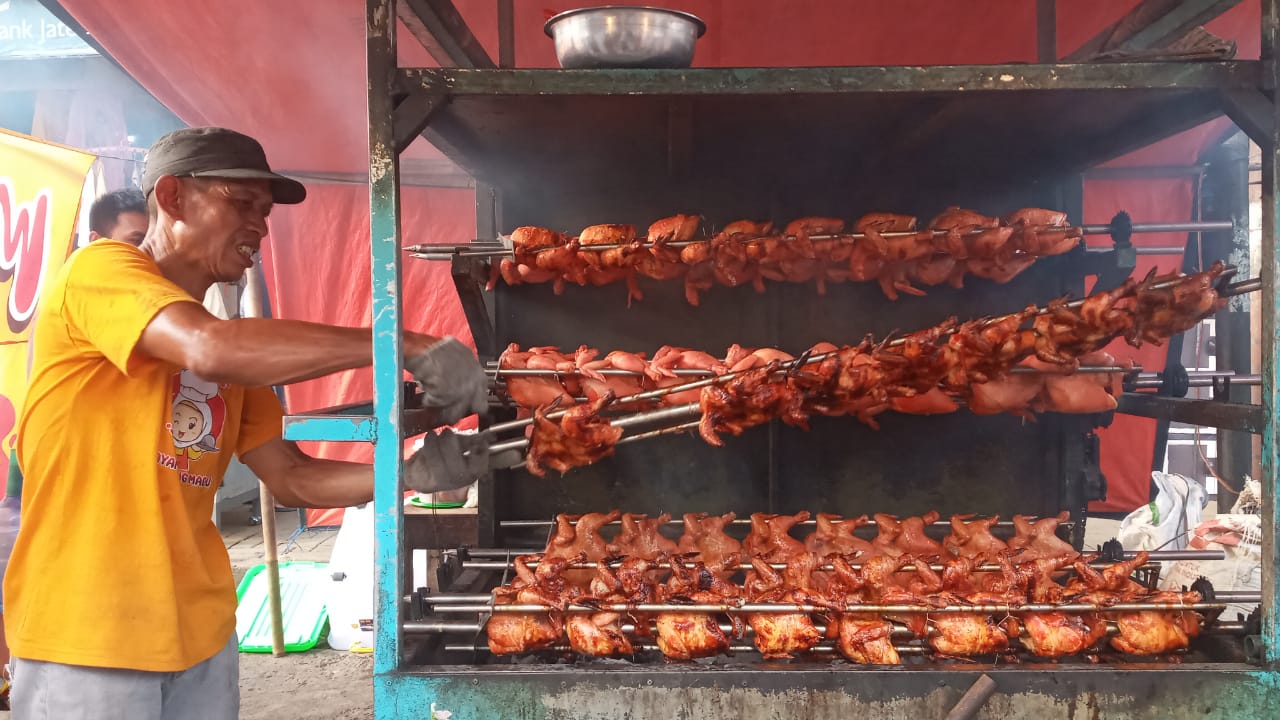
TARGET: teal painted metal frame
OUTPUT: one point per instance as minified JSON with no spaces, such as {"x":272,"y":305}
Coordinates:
{"x":400,"y":693}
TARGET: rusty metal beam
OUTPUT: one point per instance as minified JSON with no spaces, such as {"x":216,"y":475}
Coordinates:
{"x":439,"y":26}
{"x":1152,"y":24}
{"x":1251,"y":111}
{"x":1242,"y":417}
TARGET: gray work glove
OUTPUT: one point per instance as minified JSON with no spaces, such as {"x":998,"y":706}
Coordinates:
{"x":453,"y":382}
{"x":447,"y":461}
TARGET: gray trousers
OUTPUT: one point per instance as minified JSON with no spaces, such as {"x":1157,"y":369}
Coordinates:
{"x":53,"y":691}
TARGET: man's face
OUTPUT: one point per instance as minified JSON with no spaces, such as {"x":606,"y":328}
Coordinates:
{"x":130,"y":227}
{"x":228,"y":219}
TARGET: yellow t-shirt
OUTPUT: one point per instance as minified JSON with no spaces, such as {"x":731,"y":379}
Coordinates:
{"x":118,"y":563}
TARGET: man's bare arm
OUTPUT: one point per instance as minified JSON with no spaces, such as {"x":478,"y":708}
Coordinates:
{"x":259,"y":352}
{"x":299,"y":480}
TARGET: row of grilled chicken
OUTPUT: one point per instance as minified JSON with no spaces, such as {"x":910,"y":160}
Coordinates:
{"x":1054,"y":387}
{"x":926,"y":371}
{"x":861,"y":636}
{"x":704,"y":537}
{"x":884,"y":247}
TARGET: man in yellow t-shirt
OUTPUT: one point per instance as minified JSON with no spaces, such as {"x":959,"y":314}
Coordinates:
{"x":119,"y":597}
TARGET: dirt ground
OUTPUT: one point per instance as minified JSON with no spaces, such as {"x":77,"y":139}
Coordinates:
{"x":321,"y":683}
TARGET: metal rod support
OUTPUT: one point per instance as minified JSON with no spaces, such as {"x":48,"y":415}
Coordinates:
{"x":485,"y":599}
{"x":505,"y":524}
{"x":486,"y":247}
{"x":427,"y":627}
{"x":1168,"y":555}
{"x":541,"y":372}
{"x":852,"y":608}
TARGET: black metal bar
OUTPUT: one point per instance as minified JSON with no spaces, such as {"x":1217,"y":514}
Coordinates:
{"x":1047,"y":31}
{"x":439,"y":26}
{"x":486,"y":210}
{"x":1141,"y":172}
{"x":1234,"y":74}
{"x":1173,"y":351}
{"x":469,"y":277}
{"x":412,"y":114}
{"x":1227,"y":196}
{"x":1206,"y":413}
{"x":506,"y":34}
{"x":1250,"y":110}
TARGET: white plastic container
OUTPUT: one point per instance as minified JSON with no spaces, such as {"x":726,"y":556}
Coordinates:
{"x":349,"y":592}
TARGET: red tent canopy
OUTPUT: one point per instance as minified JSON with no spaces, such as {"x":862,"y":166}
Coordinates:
{"x":292,"y":74}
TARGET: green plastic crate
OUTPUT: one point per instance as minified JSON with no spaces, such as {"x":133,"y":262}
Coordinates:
{"x":302,"y":594}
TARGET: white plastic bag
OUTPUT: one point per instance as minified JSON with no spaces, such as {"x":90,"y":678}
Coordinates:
{"x":1240,"y":539}
{"x":1166,"y":522}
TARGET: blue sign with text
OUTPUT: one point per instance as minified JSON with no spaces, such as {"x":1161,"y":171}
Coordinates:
{"x":27,"y":30}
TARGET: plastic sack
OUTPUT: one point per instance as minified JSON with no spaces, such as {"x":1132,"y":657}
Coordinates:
{"x":1166,"y":522}
{"x":1239,"y":537}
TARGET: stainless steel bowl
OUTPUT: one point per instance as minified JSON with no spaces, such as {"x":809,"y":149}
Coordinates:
{"x":624,"y":37}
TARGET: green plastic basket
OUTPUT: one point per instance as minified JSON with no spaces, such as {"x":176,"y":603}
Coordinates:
{"x":302,"y":595}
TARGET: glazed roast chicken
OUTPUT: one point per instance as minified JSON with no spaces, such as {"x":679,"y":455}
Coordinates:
{"x":935,"y":370}
{"x":974,"y":569}
{"x":889,"y":249}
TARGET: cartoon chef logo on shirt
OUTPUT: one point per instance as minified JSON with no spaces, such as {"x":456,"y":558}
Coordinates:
{"x":195,"y":424}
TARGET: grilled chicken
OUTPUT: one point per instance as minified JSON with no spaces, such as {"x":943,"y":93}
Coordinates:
{"x":924,"y":372}
{"x":834,"y":535}
{"x":513,"y":633}
{"x":809,"y":249}
{"x":972,"y":538}
{"x":704,"y":535}
{"x":640,"y":538}
{"x":580,"y":535}
{"x":1039,"y":539}
{"x":690,"y":635}
{"x":599,"y":634}
{"x":581,"y":437}
{"x":770,"y":537}
{"x":778,"y":635}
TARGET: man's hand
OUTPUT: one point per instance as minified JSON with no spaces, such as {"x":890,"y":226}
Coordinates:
{"x":452,"y":380}
{"x":447,"y":461}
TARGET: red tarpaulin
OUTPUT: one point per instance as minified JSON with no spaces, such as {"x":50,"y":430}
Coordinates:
{"x":292,"y":74}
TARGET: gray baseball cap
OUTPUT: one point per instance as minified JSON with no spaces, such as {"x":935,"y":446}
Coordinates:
{"x":216,"y":153}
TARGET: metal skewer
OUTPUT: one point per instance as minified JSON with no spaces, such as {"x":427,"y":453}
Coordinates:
{"x":1227,"y":291}
{"x":481,"y":248}
{"x":485,"y":599}
{"x":506,"y":524}
{"x":987,"y":609}
{"x":1168,"y":555}
{"x":897,"y":631}
{"x":674,"y":412}
{"x":640,"y":647}
{"x":543,"y":372}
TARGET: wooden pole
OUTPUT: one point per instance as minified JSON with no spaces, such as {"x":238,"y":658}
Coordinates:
{"x":252,"y":307}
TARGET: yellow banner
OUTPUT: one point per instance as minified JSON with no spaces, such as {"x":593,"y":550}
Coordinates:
{"x":40,"y":187}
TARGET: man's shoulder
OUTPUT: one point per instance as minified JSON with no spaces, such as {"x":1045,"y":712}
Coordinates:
{"x":108,"y":251}
{"x":107,"y":262}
